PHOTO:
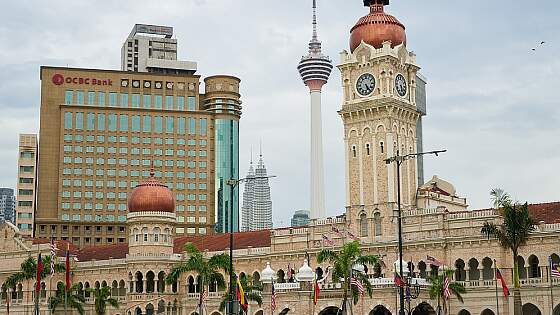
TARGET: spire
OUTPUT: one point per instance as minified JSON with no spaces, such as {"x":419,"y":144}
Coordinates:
{"x":314,"y":43}
{"x":314,"y":20}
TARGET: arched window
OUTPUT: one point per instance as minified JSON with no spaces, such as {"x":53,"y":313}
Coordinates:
{"x":166,"y":236}
{"x":521,"y":267}
{"x":150,"y":282}
{"x":190,"y":284}
{"x":86,"y":290}
{"x":534,"y":269}
{"x":156,"y":234}
{"x":122,"y":288}
{"x":377,"y":224}
{"x":382,"y":147}
{"x":139,"y":282}
{"x":280,"y":274}
{"x":161,"y":307}
{"x":354,"y":151}
{"x":363,"y":225}
{"x":460,"y":273}
{"x":115,"y":288}
{"x":161,"y":282}
{"x":256,"y":278}
{"x":145,"y":234}
{"x":136,"y":235}
{"x":474,"y":273}
{"x":487,"y":271}
{"x":422,"y":270}
{"x":367,"y":149}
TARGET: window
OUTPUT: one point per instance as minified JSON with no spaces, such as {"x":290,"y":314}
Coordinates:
{"x":100,"y":123}
{"x":192,"y":126}
{"x":101,"y":98}
{"x":90,"y":121}
{"x":158,"y":99}
{"x":80,"y":97}
{"x":91,"y":98}
{"x":203,"y":128}
{"x":169,"y":121}
{"x":112,"y":119}
{"x":180,"y":102}
{"x":169,"y":102}
{"x":191,"y":103}
{"x":136,"y":100}
{"x":181,"y":125}
{"x":367,"y":149}
{"x":112,"y":99}
{"x":354,"y":151}
{"x":147,"y":101}
{"x":158,"y":124}
{"x":363,"y":225}
{"x":123,"y":124}
{"x":68,"y":97}
{"x":147,"y":127}
{"x":381,"y":147}
{"x":67,"y":120}
{"x":124,"y":100}
{"x":135,"y":123}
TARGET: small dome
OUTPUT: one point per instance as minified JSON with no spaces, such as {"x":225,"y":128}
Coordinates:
{"x":397,"y":267}
{"x":151,"y":195}
{"x":376,"y":28}
{"x":268,"y":275}
{"x":305,"y":273}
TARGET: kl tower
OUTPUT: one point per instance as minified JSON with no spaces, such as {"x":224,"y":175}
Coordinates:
{"x":315,"y":69}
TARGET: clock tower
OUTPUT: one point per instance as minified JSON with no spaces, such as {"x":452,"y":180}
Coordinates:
{"x":380,"y":116}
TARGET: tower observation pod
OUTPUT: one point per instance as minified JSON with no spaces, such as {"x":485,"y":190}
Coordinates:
{"x":315,"y":69}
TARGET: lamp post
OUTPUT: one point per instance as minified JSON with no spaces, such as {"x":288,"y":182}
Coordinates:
{"x":234,"y":183}
{"x":399,"y":159}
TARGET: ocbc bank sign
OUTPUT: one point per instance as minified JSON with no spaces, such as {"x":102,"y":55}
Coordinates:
{"x":59,"y":79}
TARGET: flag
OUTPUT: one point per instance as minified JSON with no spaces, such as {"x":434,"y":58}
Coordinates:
{"x":502,"y":281}
{"x":408,"y":293}
{"x":273,"y":299}
{"x":241,"y":296}
{"x":68,"y":285}
{"x":554,"y":269}
{"x":398,"y":281}
{"x":53,"y":256}
{"x":289,"y":275}
{"x":337,"y":231}
{"x":327,"y":240}
{"x":355,"y":282}
{"x":316,"y":291}
{"x":352,"y":236}
{"x":446,"y":292}
{"x":433,"y":261}
{"x":39,"y":271}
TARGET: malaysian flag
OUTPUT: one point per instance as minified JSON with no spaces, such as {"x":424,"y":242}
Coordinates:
{"x":327,"y":240}
{"x":355,"y":282}
{"x":352,"y":236}
{"x":53,"y":256}
{"x":337,"y":231}
{"x":273,"y":299}
{"x":446,"y":292}
{"x":433,"y":261}
{"x":554,"y":269}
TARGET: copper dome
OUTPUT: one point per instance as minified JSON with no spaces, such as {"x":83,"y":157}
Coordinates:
{"x":376,"y":28}
{"x":151,"y":195}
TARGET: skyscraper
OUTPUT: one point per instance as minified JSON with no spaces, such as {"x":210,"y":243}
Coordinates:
{"x":27,"y":183}
{"x":315,"y":69}
{"x":257,"y":203}
{"x":7,"y":204}
{"x":300,"y":218}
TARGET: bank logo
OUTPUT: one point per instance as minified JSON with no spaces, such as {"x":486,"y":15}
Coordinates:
{"x":58,"y":79}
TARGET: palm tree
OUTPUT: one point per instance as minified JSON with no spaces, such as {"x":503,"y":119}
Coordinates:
{"x":437,"y":289}
{"x":28,"y":271}
{"x":499,"y":197}
{"x":512,"y":234}
{"x":102,"y":298}
{"x":74,"y":300}
{"x":343,"y":263}
{"x":251,"y":289}
{"x":209,"y":270}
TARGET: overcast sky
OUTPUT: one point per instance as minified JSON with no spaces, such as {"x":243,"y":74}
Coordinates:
{"x":492,"y":101}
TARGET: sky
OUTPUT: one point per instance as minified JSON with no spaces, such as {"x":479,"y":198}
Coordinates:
{"x":492,"y":100}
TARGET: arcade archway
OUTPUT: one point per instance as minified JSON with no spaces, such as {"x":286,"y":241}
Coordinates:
{"x":464,"y":312}
{"x":530,"y":309}
{"x":424,"y":309}
{"x":487,"y":312}
{"x":380,"y":310}
{"x":331,"y":310}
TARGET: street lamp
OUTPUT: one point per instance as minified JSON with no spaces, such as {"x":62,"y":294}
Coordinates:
{"x":399,"y":159}
{"x":233,"y":183}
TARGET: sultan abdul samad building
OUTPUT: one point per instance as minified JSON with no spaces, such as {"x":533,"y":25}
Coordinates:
{"x":379,"y":116}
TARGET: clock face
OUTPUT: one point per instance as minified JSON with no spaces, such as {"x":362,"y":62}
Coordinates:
{"x":401,"y":85}
{"x":147,"y":84}
{"x":365,"y":84}
{"x":124,"y":83}
{"x":169,"y":85}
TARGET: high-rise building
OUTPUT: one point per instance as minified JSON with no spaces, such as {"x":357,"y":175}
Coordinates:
{"x":421,"y":106}
{"x":151,"y":48}
{"x":300,"y":218}
{"x":315,"y":69}
{"x":7,"y":204}
{"x":257,"y":203}
{"x":27,"y":183}
{"x":102,"y":129}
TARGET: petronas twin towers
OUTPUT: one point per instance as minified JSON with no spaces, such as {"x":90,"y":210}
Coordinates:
{"x":256,"y":212}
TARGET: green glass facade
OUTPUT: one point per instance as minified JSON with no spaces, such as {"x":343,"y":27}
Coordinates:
{"x":227,"y":167}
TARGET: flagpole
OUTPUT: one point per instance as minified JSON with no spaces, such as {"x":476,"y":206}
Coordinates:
{"x":550,"y":266}
{"x":496,"y":282}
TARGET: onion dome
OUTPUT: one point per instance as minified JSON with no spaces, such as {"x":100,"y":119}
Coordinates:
{"x":268,"y":275}
{"x":305,"y":273}
{"x":151,"y":195}
{"x":377,"y":27}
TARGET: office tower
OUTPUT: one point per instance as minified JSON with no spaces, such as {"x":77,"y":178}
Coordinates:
{"x":151,"y":48}
{"x":257,"y":203}
{"x":300,"y":218}
{"x":315,"y":69}
{"x":421,"y":106}
{"x":7,"y":204}
{"x":100,"y":132}
{"x":27,"y":183}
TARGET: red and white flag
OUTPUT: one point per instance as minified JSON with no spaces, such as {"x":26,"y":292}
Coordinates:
{"x":355,"y":282}
{"x":433,"y":261}
{"x":53,"y":256}
{"x":446,"y":292}
{"x":352,"y":236}
{"x":337,"y":231}
{"x":273,"y":299}
{"x":327,"y":240}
